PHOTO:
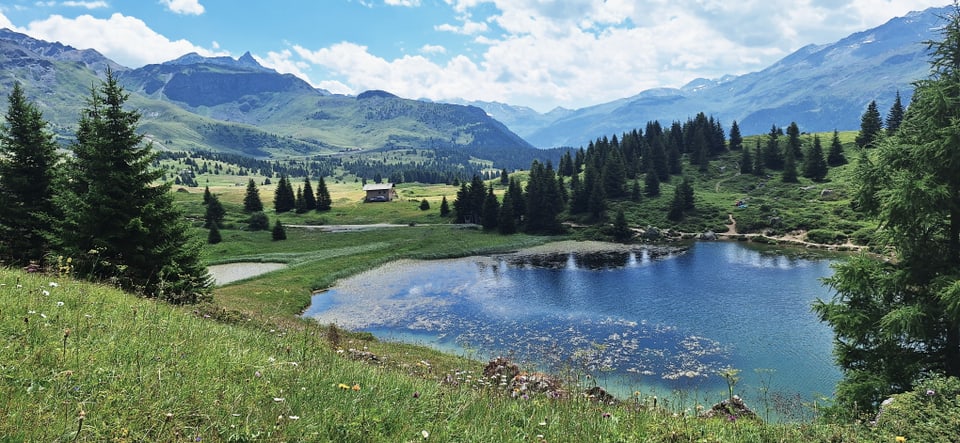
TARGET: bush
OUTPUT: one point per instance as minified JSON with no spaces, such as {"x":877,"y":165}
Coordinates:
{"x":864,"y":236}
{"x":826,"y":236}
{"x":279,"y":232}
{"x":258,"y":222}
{"x":928,"y":413}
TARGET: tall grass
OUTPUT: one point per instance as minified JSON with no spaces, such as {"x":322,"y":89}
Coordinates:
{"x":84,"y":362}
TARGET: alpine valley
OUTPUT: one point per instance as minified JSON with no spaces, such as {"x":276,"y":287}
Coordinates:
{"x":238,"y":106}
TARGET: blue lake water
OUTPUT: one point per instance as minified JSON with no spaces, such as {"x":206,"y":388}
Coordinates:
{"x":646,"y":321}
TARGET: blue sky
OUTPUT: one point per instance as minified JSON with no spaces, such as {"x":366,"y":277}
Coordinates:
{"x":536,"y":53}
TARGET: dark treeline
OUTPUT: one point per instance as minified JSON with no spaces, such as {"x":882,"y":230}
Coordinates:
{"x":197,"y":162}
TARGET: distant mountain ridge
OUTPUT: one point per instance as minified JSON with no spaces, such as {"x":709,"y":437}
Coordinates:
{"x":821,"y":87}
{"x":239,"y":106}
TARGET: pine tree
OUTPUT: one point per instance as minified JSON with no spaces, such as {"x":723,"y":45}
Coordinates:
{"x":651,"y":186}
{"x":789,"y":167}
{"x":299,"y":203}
{"x":621,"y":230}
{"x":258,"y":221}
{"x":898,"y":321}
{"x":309,"y":199}
{"x":284,"y":200}
{"x":835,"y":156}
{"x":735,"y":140}
{"x":251,"y":200}
{"x":279,"y":232}
{"x":491,"y":210}
{"x":213,"y":236}
{"x":895,"y":116}
{"x":120,"y":225}
{"x":28,"y":168}
{"x":758,"y":167}
{"x":424,"y":205}
{"x":543,"y":201}
{"x":746,"y":161}
{"x":214,"y":213}
{"x":870,"y":126}
{"x":772,"y":155}
{"x":506,"y":220}
{"x":793,"y":141}
{"x":324,"y":202}
{"x":814,"y":165}
{"x":206,"y":194}
{"x":444,"y":207}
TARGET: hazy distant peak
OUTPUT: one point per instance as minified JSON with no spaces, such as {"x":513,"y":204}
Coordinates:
{"x":245,"y":61}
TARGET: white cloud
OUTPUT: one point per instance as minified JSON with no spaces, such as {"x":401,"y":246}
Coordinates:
{"x":86,"y":5}
{"x":126,"y":40}
{"x":407,"y":3}
{"x":186,"y":7}
{"x":5,"y":22}
{"x":432,"y":49}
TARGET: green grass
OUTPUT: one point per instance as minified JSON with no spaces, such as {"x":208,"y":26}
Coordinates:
{"x":83,"y":362}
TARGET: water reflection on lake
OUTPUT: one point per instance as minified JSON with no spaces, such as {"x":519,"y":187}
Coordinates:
{"x":644,"y":320}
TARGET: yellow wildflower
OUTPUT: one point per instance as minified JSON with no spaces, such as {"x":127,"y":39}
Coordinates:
{"x":343,"y":386}
{"x":900,"y":439}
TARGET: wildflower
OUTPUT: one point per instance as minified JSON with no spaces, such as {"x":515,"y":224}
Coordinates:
{"x":343,"y":386}
{"x":356,"y":387}
{"x":900,"y":439}
{"x":931,"y":392}
{"x":543,"y":423}
{"x":606,"y":415}
{"x":293,"y":417}
{"x":257,"y":374}
{"x":168,"y":416}
{"x":278,"y":399}
{"x":54,"y":284}
{"x":45,"y":292}
{"x":42,"y":315}
{"x":59,"y":303}
{"x":416,"y":394}
{"x":425,"y":434}
{"x":732,"y":417}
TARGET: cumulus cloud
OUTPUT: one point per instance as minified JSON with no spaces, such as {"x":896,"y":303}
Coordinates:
{"x":186,"y":7}
{"x":407,"y":3}
{"x":574,"y":53}
{"x":126,"y":40}
{"x":86,"y":5}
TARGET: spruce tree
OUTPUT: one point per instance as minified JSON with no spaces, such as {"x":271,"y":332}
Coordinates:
{"x":206,"y":194}
{"x":299,"y":203}
{"x":651,"y":186}
{"x":746,"y":161}
{"x":814,"y":165}
{"x":214,"y":213}
{"x":251,"y":200}
{"x":424,"y":205}
{"x":324,"y":202}
{"x":213,"y":236}
{"x":120,"y":226}
{"x":758,"y":167}
{"x":789,"y":167}
{"x":772,"y":155}
{"x":28,"y":168}
{"x":258,"y":221}
{"x":309,"y":199}
{"x":284,"y":200}
{"x":895,"y":116}
{"x":543,"y":201}
{"x":870,"y":126}
{"x":621,"y":230}
{"x":491,"y":210}
{"x":279,"y":232}
{"x":735,"y":139}
{"x":835,"y":156}
{"x":897,"y":322}
{"x":444,"y":207}
{"x":506,"y":221}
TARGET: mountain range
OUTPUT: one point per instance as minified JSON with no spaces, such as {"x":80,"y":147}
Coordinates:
{"x":239,"y":106}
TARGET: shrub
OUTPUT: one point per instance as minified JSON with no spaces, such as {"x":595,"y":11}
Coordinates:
{"x":258,"y":221}
{"x":826,"y":236}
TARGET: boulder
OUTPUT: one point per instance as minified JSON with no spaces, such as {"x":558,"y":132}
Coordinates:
{"x":732,"y":408}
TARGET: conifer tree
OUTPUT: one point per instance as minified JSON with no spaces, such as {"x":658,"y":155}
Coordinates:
{"x":424,"y":205}
{"x":299,"y":203}
{"x":870,"y":126}
{"x":814,"y":165}
{"x":279,"y":232}
{"x":506,"y":220}
{"x":491,"y":210}
{"x":251,"y":200}
{"x":28,"y":168}
{"x":895,"y":116}
{"x":309,"y":199}
{"x":444,"y":207}
{"x":214,"y":213}
{"x":789,"y":167}
{"x":119,"y":225}
{"x":758,"y":167}
{"x":324,"y":202}
{"x":746,"y":161}
{"x":206,"y":194}
{"x":735,"y":139}
{"x":621,"y":230}
{"x":898,"y":321}
{"x":258,"y":221}
{"x":835,"y":156}
{"x":651,"y":186}
{"x":284,"y":200}
{"x":543,"y":201}
{"x":772,"y":155}
{"x":213,"y":236}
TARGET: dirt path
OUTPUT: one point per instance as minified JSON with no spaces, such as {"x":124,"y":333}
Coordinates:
{"x":732,"y":228}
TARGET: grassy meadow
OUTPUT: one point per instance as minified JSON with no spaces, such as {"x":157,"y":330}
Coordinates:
{"x":86,"y":362}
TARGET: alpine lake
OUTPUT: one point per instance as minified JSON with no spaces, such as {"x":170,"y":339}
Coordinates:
{"x":650,"y":321}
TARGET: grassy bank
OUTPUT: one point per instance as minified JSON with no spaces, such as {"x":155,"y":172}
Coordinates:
{"x":83,"y":362}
